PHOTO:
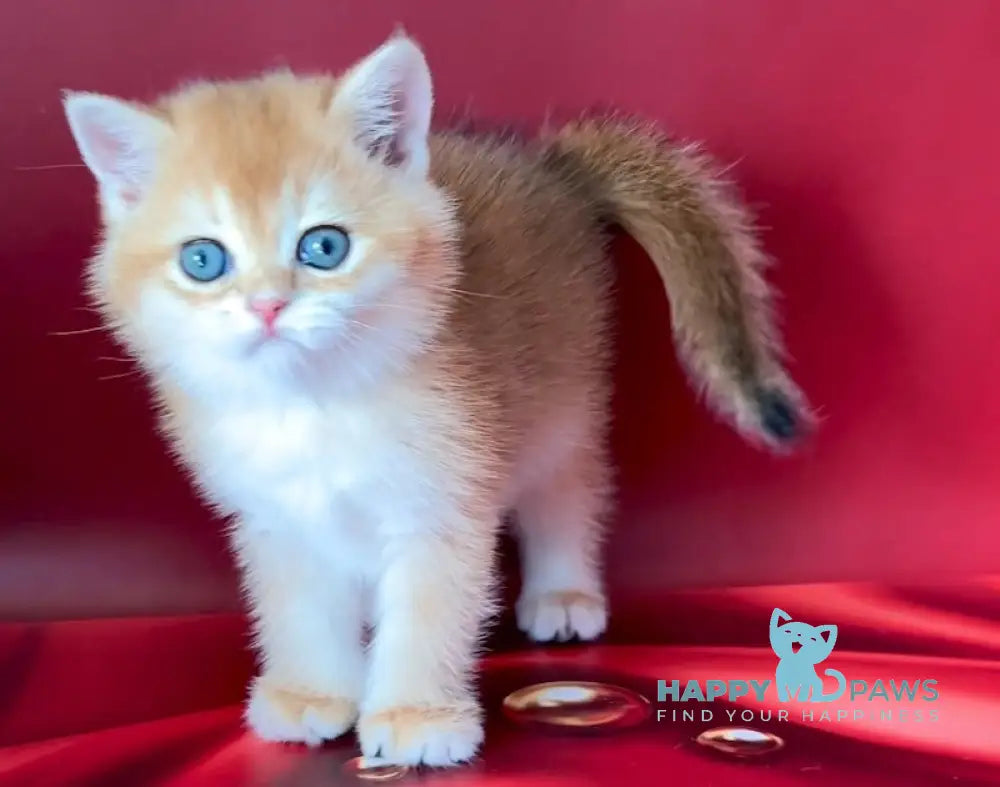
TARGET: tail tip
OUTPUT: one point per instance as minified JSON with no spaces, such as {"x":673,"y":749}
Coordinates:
{"x":784,"y":421}
{"x":778,"y":416}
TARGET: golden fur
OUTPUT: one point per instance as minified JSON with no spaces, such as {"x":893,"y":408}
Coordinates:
{"x":482,"y":376}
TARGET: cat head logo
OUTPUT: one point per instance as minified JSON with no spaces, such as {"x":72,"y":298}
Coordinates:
{"x":800,"y":647}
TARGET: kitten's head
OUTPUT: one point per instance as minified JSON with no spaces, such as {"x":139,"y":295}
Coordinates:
{"x":275,"y":229}
{"x":793,"y":639}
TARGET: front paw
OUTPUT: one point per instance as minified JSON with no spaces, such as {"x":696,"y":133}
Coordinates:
{"x":414,"y":735}
{"x":276,"y":712}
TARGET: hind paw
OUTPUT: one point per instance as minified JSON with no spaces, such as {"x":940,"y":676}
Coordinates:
{"x":562,"y":616}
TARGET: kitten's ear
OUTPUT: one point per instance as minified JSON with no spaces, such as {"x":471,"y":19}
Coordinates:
{"x":778,"y":616}
{"x":387,"y":98}
{"x":118,"y":142}
{"x":829,"y":634}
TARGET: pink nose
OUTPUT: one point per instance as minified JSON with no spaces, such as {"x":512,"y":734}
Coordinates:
{"x":268,"y":309}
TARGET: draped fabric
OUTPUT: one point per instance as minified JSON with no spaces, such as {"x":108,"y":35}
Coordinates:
{"x":865,"y":136}
{"x":155,"y":701}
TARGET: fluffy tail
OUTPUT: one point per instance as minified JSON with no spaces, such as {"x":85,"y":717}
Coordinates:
{"x":702,"y":242}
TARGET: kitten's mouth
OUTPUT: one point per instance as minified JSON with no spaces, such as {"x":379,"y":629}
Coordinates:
{"x":263,"y":341}
{"x":796,"y":647}
{"x":268,"y":336}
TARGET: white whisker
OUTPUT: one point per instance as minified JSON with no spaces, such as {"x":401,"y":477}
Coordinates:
{"x":459,"y":291}
{"x":94,"y":329}
{"x":40,"y":167}
{"x":404,"y":307}
{"x":133,"y":373}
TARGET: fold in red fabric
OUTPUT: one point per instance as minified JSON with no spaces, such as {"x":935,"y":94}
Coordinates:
{"x":155,"y":701}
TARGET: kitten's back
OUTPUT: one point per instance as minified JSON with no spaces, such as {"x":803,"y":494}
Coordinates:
{"x":533,"y":218}
{"x":533,"y":297}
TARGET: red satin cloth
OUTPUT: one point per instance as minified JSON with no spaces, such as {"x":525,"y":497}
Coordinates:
{"x":154,"y":701}
{"x":865,"y":135}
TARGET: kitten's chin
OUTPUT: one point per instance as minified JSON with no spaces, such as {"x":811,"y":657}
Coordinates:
{"x":281,"y":353}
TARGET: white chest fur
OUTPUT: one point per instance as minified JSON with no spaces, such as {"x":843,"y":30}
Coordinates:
{"x":340,"y":479}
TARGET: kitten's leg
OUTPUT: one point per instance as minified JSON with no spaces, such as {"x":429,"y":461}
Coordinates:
{"x":436,"y":589}
{"x":559,"y":528}
{"x":308,"y":631}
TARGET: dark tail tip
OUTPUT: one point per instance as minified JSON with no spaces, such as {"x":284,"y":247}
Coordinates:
{"x":778,"y":416}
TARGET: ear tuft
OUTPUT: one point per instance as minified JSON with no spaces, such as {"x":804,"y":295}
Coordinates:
{"x":388,"y":98}
{"x":118,"y":142}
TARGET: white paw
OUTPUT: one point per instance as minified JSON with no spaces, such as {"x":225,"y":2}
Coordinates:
{"x":428,"y":736}
{"x":562,"y":616}
{"x":295,"y":716}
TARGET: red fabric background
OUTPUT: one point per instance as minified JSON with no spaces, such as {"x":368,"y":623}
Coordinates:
{"x":866,"y":134}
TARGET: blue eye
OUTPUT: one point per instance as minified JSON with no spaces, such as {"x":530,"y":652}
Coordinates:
{"x":204,"y":260}
{"x":323,"y":247}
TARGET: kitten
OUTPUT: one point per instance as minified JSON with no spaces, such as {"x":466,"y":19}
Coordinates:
{"x":368,"y":342}
{"x":800,"y":647}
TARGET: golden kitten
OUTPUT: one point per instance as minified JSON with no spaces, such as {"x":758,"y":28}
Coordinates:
{"x":369,"y":342}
